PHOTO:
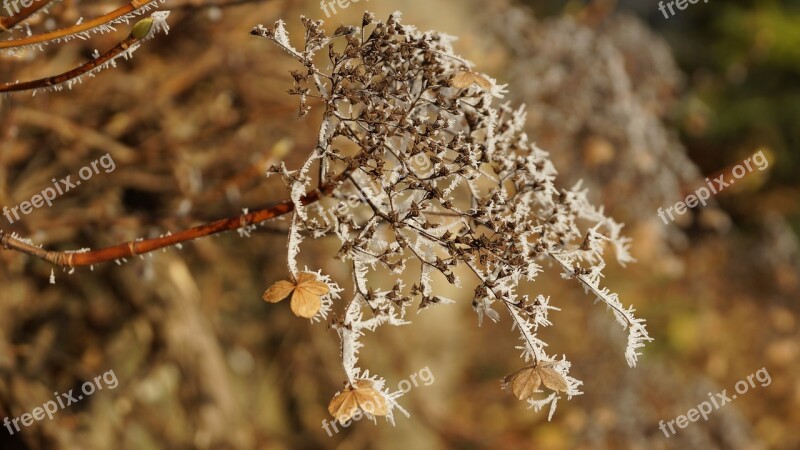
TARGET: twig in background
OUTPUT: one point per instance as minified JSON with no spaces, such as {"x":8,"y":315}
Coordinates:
{"x":8,"y":23}
{"x":142,"y":31}
{"x":139,"y":247}
{"x":102,"y":24}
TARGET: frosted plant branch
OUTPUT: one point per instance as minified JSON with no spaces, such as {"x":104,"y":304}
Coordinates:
{"x":84,"y":30}
{"x":142,"y":31}
{"x":138,"y":247}
{"x":445,"y":182}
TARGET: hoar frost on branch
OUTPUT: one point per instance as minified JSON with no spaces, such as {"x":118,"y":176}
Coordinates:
{"x":450,"y":184}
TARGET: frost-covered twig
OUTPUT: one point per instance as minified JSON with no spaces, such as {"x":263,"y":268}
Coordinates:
{"x":83,"y":30}
{"x":142,"y":31}
{"x":142,"y":246}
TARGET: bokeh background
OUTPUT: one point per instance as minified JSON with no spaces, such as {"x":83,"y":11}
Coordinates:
{"x":640,"y":107}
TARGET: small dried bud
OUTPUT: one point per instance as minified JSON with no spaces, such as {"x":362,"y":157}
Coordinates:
{"x":369,"y":17}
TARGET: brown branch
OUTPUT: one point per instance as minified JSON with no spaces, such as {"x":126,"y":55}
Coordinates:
{"x":7,"y":23}
{"x":64,"y":32}
{"x":134,"y":248}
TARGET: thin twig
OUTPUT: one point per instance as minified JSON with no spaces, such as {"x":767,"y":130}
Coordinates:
{"x":71,"y":74}
{"x":7,"y":23}
{"x":77,"y":29}
{"x":139,"y":247}
{"x":142,"y":31}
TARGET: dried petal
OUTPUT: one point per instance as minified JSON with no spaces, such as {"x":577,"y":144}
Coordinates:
{"x":552,"y":379}
{"x":304,"y":277}
{"x":465,"y":79}
{"x":343,"y":406}
{"x":524,"y":382}
{"x":278,"y":291}
{"x":306,"y":301}
{"x":305,"y":304}
{"x":371,"y":401}
{"x":363,"y":396}
{"x":309,"y":283}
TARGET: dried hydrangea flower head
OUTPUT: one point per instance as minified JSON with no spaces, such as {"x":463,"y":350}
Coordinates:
{"x":433,"y":174}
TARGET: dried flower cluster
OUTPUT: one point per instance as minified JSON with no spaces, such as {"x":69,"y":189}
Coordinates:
{"x":449,"y":185}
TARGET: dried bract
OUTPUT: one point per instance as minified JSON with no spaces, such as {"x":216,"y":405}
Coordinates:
{"x":345,"y":404}
{"x":306,"y":293}
{"x":526,"y":381}
{"x":465,"y":79}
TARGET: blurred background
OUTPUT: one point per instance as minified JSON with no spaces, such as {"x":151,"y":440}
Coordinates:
{"x":640,"y":107}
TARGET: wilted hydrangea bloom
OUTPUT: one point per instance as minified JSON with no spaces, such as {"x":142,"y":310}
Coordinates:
{"x":433,"y":174}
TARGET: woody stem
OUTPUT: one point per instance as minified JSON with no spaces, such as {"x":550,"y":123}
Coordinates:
{"x":139,"y":247}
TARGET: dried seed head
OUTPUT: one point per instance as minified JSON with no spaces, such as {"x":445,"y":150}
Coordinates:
{"x":368,"y":18}
{"x":437,"y":173}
